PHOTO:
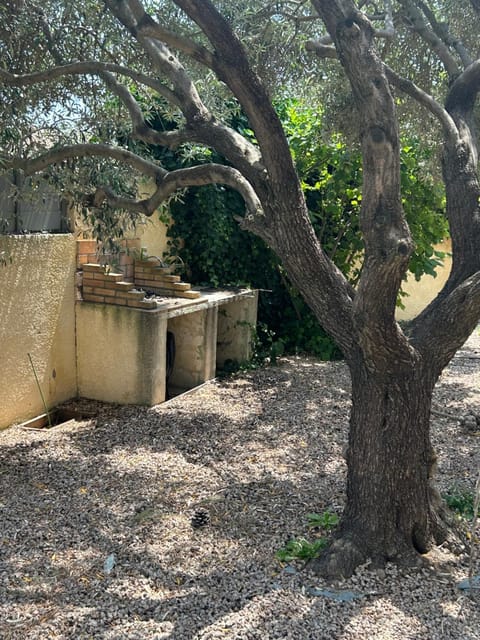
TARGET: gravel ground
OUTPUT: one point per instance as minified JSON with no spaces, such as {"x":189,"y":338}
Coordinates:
{"x":96,"y":538}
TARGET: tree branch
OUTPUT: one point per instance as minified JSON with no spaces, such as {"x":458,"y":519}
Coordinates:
{"x":105,"y":194}
{"x":321,"y":50}
{"x":164,"y":61}
{"x":231,"y":66}
{"x":169,"y":182}
{"x":442,"y":31}
{"x":464,"y":90}
{"x":420,"y":25}
{"x":141,"y":131}
{"x":440,"y":330}
{"x":147,"y":27}
{"x":210,"y":173}
{"x":425,"y":100}
{"x":83,"y":68}
{"x":55,"y":156}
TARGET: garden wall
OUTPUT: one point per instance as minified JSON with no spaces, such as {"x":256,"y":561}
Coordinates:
{"x":37,"y":302}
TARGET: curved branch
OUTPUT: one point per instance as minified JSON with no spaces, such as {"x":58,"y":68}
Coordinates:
{"x":464,"y":90}
{"x":231,"y":66}
{"x":85,"y":67}
{"x":424,"y":99}
{"x":442,"y":31}
{"x":201,"y":127}
{"x":40,"y":163}
{"x":169,"y":182}
{"x":147,"y":27}
{"x":170,"y":139}
{"x":442,"y":328}
{"x":105,"y":194}
{"x":321,"y":50}
{"x":163,"y":60}
{"x":420,"y":25}
{"x":209,"y":174}
{"x":128,"y":100}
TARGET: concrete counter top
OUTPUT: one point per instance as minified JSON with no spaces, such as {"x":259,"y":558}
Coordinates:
{"x":173,"y":307}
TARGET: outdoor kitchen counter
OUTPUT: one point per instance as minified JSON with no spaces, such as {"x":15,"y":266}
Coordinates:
{"x":209,"y":298}
{"x":122,"y":351}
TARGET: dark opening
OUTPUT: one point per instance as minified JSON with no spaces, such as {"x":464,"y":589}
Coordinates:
{"x":170,"y":362}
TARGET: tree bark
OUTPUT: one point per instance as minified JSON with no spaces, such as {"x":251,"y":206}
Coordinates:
{"x":393,"y":511}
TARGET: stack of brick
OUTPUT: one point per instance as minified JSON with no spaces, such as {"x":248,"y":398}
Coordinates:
{"x":90,"y":252}
{"x":86,"y":252}
{"x":126,"y":265}
{"x":102,"y":285}
{"x":125,"y":259}
{"x":149,"y":275}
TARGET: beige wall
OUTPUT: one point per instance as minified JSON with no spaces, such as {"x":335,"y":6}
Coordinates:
{"x":424,"y":291}
{"x":236,"y":325}
{"x":36,"y":317}
{"x":121,"y":354}
{"x":195,"y":348}
{"x":152,"y":233}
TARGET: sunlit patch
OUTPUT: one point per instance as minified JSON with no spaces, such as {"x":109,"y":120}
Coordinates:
{"x":385,"y":622}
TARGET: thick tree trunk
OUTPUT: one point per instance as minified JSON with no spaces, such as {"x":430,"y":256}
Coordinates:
{"x":393,"y":511}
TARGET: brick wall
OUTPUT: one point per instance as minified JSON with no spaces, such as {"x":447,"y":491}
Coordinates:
{"x":152,"y":276}
{"x":101,"y":285}
{"x":126,"y":285}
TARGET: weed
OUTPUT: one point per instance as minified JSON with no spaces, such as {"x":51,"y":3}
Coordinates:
{"x":326,"y":520}
{"x":301,"y":549}
{"x":460,"y":501}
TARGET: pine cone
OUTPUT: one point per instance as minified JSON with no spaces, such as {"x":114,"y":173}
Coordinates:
{"x":200,"y":519}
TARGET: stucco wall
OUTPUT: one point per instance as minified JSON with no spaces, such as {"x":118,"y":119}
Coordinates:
{"x":152,"y":232}
{"x":37,"y":317}
{"x":121,"y":354}
{"x":236,"y":325}
{"x":424,"y":291}
{"x":195,"y":348}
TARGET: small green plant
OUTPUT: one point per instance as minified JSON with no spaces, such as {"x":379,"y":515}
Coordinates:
{"x":326,"y":521}
{"x":461,"y":502}
{"x":301,"y":549}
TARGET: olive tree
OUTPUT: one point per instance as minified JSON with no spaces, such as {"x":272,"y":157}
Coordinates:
{"x":192,"y":56}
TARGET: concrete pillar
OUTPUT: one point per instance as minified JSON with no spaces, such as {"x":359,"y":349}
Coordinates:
{"x":195,"y":344}
{"x":236,"y":325}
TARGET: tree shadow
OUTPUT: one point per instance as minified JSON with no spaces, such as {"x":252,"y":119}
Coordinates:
{"x":125,"y":487}
{"x":65,"y":512}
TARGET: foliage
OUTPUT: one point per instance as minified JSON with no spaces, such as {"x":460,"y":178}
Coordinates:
{"x":460,"y":501}
{"x":302,"y":549}
{"x":325,"y":520}
{"x":331,"y":173}
{"x":218,"y":253}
